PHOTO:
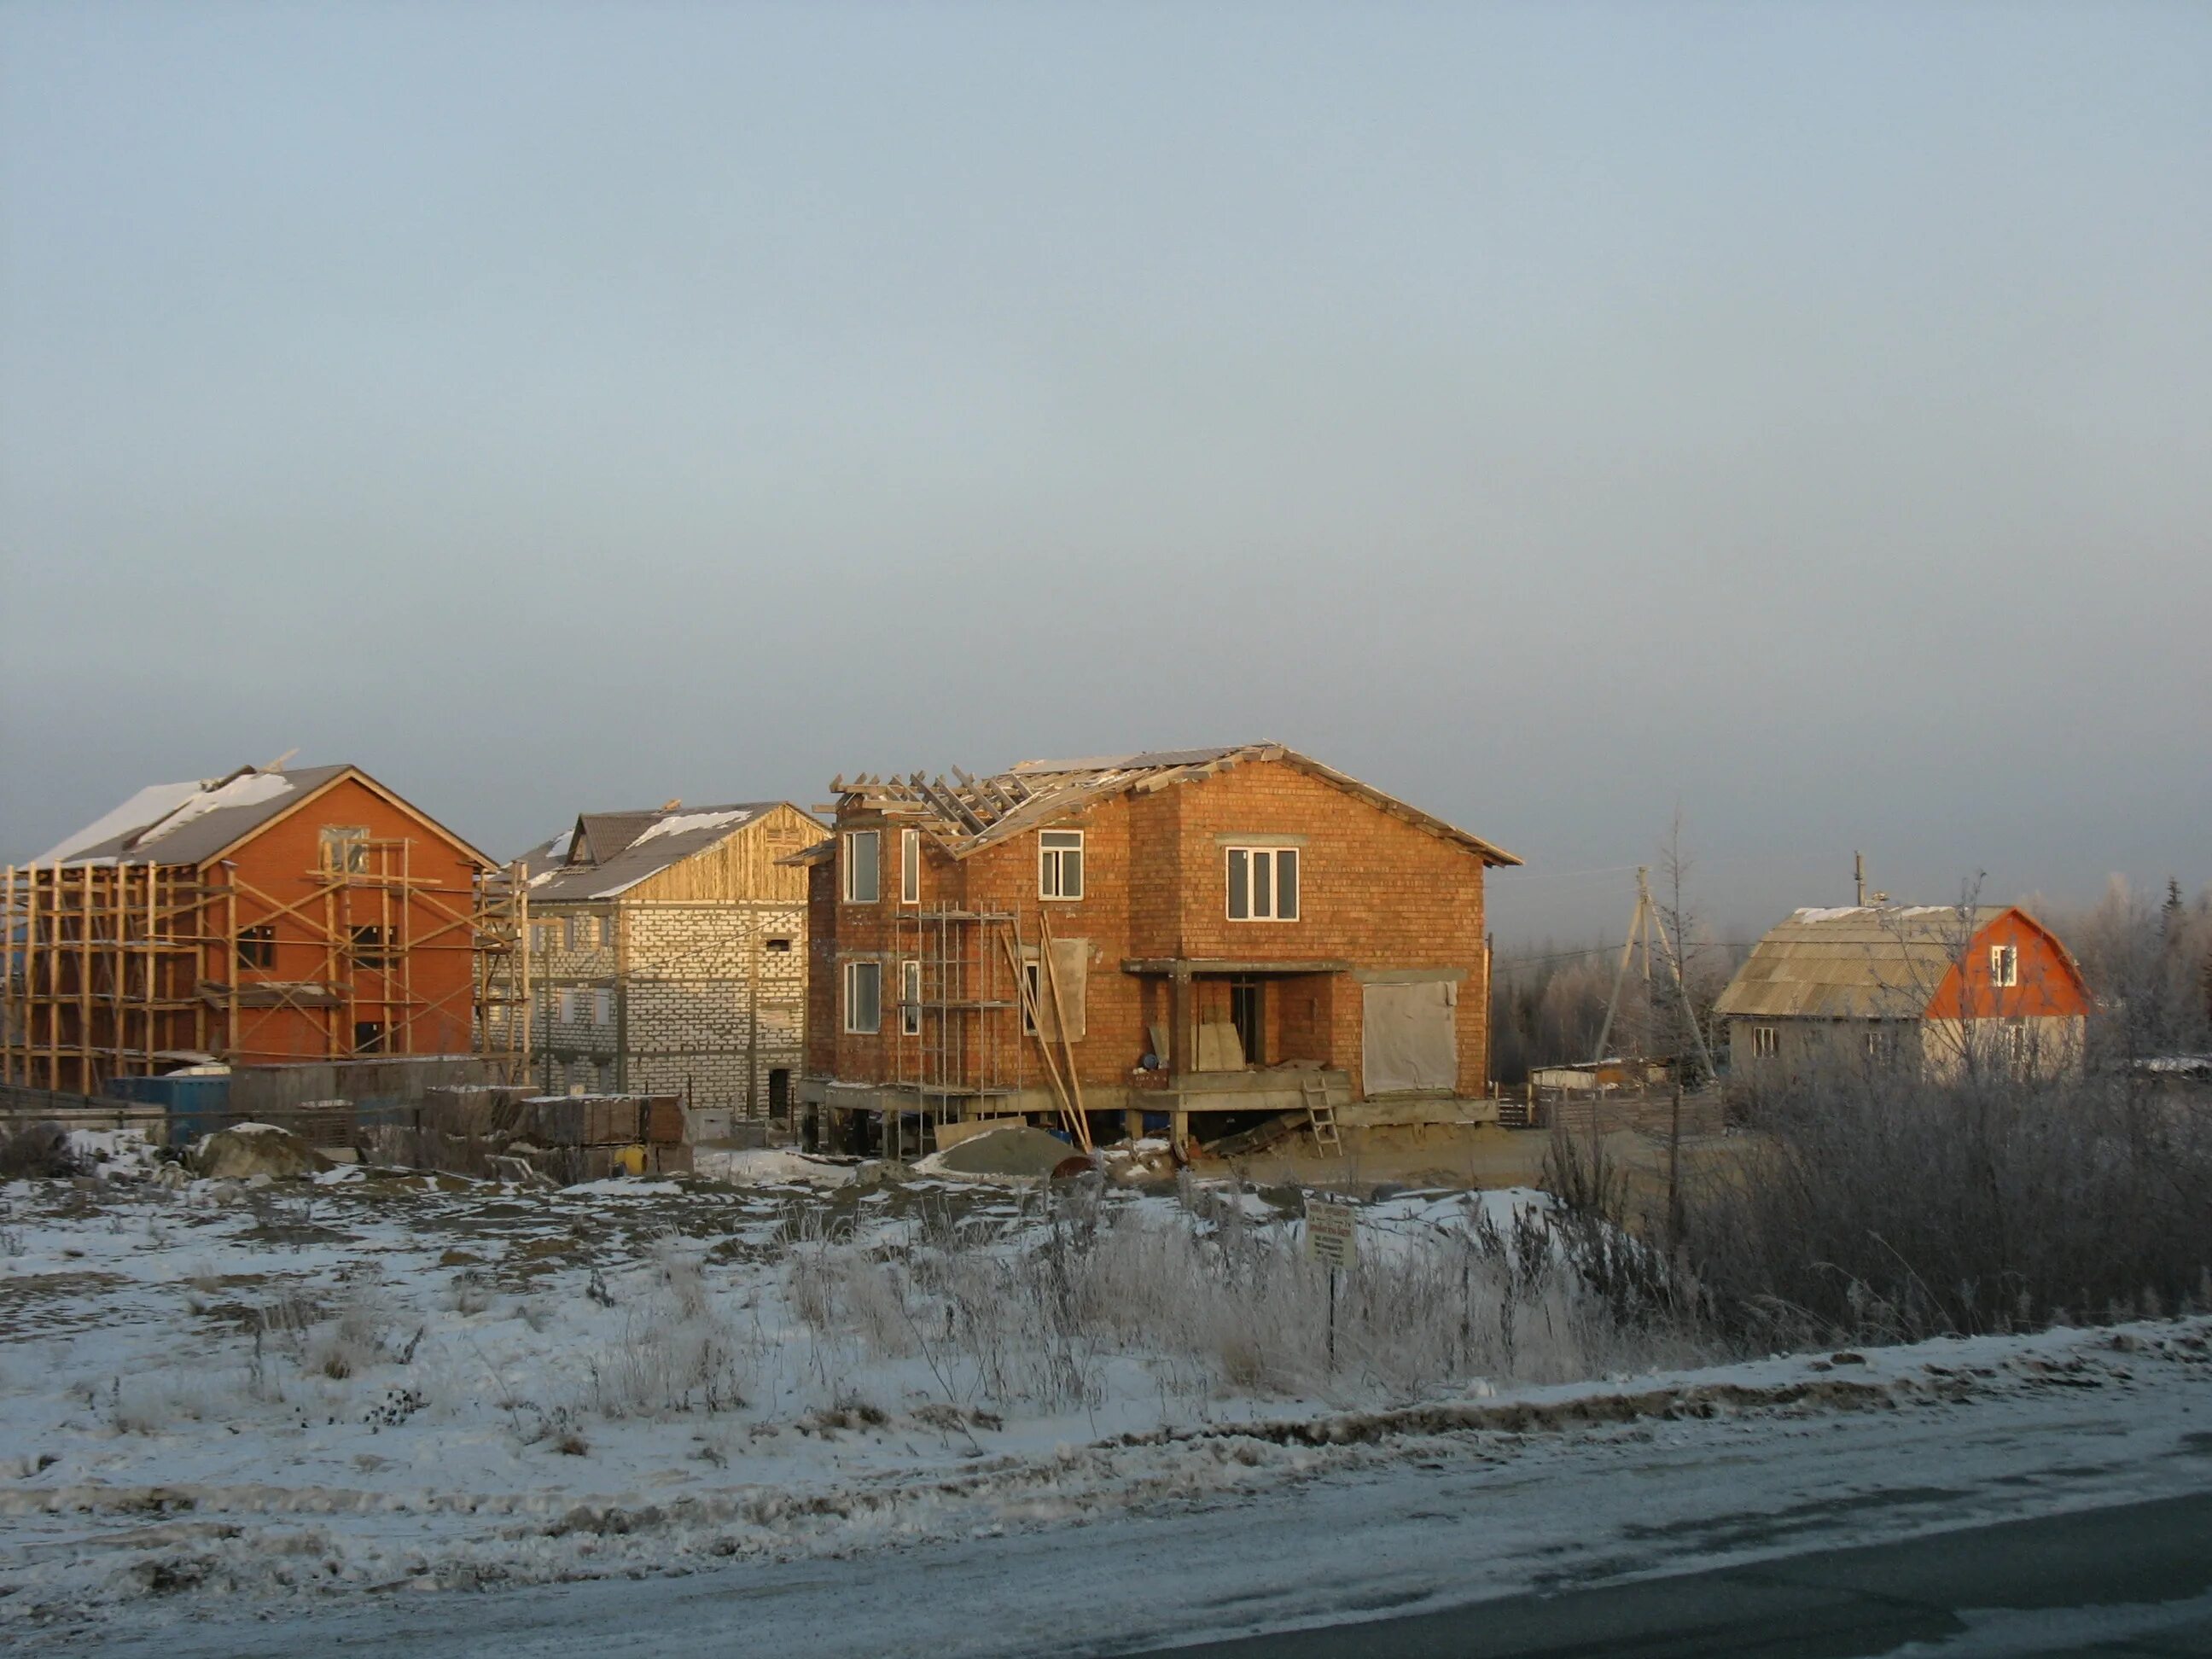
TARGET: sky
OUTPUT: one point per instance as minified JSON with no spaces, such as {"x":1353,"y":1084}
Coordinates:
{"x":1560,"y":416}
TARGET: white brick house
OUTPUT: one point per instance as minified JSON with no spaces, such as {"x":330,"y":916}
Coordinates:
{"x":667,"y":955}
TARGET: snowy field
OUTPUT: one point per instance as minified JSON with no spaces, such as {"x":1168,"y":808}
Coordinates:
{"x":307,"y":1396}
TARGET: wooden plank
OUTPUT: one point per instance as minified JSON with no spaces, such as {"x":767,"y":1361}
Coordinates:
{"x":1060,"y":1019}
{"x":1029,"y":1008}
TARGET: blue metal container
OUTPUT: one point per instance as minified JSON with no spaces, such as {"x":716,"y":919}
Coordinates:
{"x":196,"y":1105}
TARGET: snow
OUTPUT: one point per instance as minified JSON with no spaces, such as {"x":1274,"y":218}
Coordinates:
{"x":271,"y":1404}
{"x":759,"y":1166}
{"x":682,"y":823}
{"x":559,"y":849}
{"x":154,"y":801}
{"x":250,"y":790}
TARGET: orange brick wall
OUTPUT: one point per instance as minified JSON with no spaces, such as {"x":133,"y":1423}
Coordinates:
{"x":275,"y":869}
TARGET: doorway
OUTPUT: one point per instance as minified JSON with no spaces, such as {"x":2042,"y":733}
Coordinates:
{"x":779,"y":1094}
{"x":1248,"y":1013}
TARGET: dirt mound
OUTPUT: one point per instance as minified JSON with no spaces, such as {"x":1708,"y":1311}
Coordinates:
{"x":253,"y":1148}
{"x":1019,"y":1152}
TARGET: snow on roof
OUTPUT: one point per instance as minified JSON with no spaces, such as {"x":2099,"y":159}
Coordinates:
{"x":182,"y":824}
{"x":681,"y":824}
{"x":149,"y":806}
{"x":615,"y":851}
{"x":1855,"y":962}
{"x":252,"y":789}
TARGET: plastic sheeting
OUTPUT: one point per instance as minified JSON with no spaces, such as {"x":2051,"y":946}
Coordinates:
{"x":1410,"y":1038}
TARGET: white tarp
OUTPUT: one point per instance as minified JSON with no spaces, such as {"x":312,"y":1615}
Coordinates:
{"x":1410,"y":1038}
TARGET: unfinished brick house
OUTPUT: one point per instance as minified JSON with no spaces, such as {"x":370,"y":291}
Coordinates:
{"x":267,"y":916}
{"x":667,"y":955}
{"x":1196,"y":938}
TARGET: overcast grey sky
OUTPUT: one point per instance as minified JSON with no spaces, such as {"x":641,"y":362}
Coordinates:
{"x":1548,"y":413}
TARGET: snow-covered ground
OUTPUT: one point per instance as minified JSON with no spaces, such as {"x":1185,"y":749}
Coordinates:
{"x":291,"y":1398}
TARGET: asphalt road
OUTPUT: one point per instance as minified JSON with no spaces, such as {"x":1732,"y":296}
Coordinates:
{"x":2134,"y":1579}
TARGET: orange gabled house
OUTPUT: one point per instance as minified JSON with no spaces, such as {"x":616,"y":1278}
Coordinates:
{"x":265,"y":916}
{"x":1932,"y":989}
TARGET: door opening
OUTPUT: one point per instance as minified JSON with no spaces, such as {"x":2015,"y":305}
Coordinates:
{"x":1247,"y":1012}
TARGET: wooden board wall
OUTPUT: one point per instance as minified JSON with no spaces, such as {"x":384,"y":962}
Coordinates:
{"x":742,"y":866}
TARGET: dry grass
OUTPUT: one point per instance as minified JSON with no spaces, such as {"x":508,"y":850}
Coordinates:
{"x":1880,"y":1208}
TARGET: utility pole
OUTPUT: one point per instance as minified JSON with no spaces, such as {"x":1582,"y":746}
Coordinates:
{"x":1859,"y":878}
{"x":1639,"y":924}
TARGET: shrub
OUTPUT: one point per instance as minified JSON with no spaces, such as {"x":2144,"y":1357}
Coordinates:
{"x":1874,"y":1207}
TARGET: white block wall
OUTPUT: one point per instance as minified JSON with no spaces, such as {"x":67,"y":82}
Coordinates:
{"x":700,"y":1005}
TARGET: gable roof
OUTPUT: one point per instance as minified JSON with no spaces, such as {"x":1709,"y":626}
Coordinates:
{"x":1859,"y":962}
{"x":607,"y":853}
{"x":190,"y":824}
{"x":971,"y":813}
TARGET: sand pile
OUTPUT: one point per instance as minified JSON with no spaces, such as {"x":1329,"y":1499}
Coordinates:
{"x":1017,"y":1152}
{"x":245,"y":1149}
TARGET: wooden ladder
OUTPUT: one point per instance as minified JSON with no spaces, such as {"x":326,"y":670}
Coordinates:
{"x":1320,"y":1116}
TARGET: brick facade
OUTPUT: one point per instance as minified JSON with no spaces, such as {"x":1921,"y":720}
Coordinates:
{"x":1380,"y":897}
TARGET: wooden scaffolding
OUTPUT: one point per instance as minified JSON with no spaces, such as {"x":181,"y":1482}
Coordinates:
{"x":115,"y":970}
{"x":955,"y":991}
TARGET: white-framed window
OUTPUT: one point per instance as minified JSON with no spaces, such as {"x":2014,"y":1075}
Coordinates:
{"x":602,"y":1007}
{"x":909,"y":866}
{"x":1765,"y":1042}
{"x":909,"y":998}
{"x":2004,"y":965}
{"x":1060,"y":863}
{"x":864,"y":997}
{"x":863,"y":858}
{"x":1263,"y":883}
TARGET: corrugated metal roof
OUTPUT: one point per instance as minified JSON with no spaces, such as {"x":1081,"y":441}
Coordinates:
{"x":608,"y":852}
{"x":187,"y":824}
{"x":972,"y":813}
{"x":1859,"y":963}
